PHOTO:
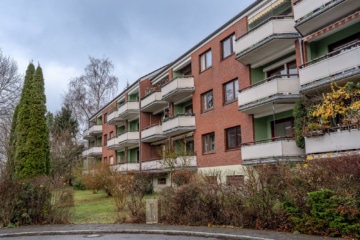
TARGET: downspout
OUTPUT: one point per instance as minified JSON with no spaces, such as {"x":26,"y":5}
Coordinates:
{"x":301,"y":51}
{"x":140,"y":159}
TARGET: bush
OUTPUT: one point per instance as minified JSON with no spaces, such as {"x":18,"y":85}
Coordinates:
{"x":314,"y":197}
{"x":35,"y":201}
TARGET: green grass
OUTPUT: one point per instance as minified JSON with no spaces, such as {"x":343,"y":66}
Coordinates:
{"x":95,"y":208}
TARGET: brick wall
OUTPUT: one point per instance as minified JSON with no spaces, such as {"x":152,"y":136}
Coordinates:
{"x":221,"y":116}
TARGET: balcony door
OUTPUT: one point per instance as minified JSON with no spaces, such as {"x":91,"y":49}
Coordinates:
{"x":283,"y":128}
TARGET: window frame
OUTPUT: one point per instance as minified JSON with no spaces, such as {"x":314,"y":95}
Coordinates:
{"x":231,"y":40}
{"x":235,"y":91}
{"x":237,"y":134}
{"x":206,"y":141}
{"x":280,"y":121}
{"x":205,"y":63}
{"x":205,"y":98}
{"x":105,"y":139}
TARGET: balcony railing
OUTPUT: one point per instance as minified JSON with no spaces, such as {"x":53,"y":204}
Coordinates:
{"x":178,"y":90}
{"x":153,"y":102}
{"x":313,"y":15}
{"x":271,"y":150}
{"x":152,"y":134}
{"x":178,"y":124}
{"x":182,"y":162}
{"x":128,"y":110}
{"x":332,"y":66}
{"x":125,"y":167}
{"x":127,"y":139}
{"x":93,"y":151}
{"x":280,"y":88}
{"x":95,"y":130}
{"x":270,"y":40}
{"x":341,"y":140}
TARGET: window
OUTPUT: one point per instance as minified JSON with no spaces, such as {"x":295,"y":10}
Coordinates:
{"x":207,"y":101}
{"x":105,"y":159}
{"x":285,"y":69}
{"x":111,"y":135}
{"x":208,"y":142}
{"x":105,"y":117}
{"x":228,"y":46}
{"x":111,"y":160}
{"x":205,"y":60}
{"x":235,"y":180}
{"x":231,"y":90}
{"x":346,"y":42}
{"x":105,"y":139}
{"x":233,"y":137}
{"x":283,"y":127}
{"x":162,"y":181}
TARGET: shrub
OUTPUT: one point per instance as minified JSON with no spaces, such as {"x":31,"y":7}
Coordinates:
{"x":35,"y":201}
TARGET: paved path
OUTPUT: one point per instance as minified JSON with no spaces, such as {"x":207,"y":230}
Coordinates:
{"x":214,"y":232}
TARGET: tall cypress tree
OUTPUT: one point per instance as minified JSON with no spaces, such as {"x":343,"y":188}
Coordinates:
{"x":23,"y":123}
{"x":32,"y":156}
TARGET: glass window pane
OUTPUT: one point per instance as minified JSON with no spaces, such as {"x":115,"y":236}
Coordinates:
{"x":229,"y":92}
{"x":210,"y":99}
{"x":226,"y":47}
{"x":202,"y":62}
{"x":208,"y":59}
{"x":231,"y":138}
{"x":236,"y":85}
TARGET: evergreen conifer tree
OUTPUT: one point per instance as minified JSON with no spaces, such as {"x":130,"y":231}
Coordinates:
{"x":32,"y":156}
{"x":23,"y":123}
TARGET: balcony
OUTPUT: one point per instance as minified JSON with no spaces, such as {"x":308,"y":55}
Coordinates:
{"x":127,"y":111}
{"x":278,"y":93}
{"x":345,"y":140}
{"x":313,"y":15}
{"x":126,"y":167}
{"x":338,"y":66}
{"x":153,"y":103}
{"x":93,"y":131}
{"x":152,"y":134}
{"x":114,"y":119}
{"x":161,"y":166}
{"x":92,"y":152}
{"x":178,"y":90}
{"x":270,"y":151}
{"x":267,"y":42}
{"x":127,"y":139}
{"x":178,"y":125}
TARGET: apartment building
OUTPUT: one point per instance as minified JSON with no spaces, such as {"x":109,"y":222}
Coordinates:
{"x":228,"y":101}
{"x":330,"y":54}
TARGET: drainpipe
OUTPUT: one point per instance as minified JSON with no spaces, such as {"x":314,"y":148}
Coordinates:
{"x":301,"y":50}
{"x":140,"y":160}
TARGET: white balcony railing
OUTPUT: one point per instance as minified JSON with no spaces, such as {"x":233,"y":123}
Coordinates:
{"x":333,"y":142}
{"x":93,"y":151}
{"x":128,"y":110}
{"x":178,"y":124}
{"x":153,"y":132}
{"x":123,"y":140}
{"x":271,"y":151}
{"x":179,"y":163}
{"x":125,"y":167}
{"x":93,"y":131}
{"x":331,"y":64}
{"x":306,"y":7}
{"x":177,"y":89}
{"x":153,"y":102}
{"x":272,"y":27}
{"x":284,"y":85}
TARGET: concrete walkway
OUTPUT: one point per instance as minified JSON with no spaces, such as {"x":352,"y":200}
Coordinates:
{"x":215,"y":232}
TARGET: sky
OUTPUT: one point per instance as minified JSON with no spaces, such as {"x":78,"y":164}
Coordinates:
{"x":137,"y":36}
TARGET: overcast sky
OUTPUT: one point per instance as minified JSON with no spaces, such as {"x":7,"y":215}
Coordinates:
{"x":138,"y":36}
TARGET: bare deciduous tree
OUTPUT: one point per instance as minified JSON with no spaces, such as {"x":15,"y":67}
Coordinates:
{"x":89,"y":92}
{"x":10,"y":90}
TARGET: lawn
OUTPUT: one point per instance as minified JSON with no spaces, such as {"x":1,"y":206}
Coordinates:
{"x":95,"y":208}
